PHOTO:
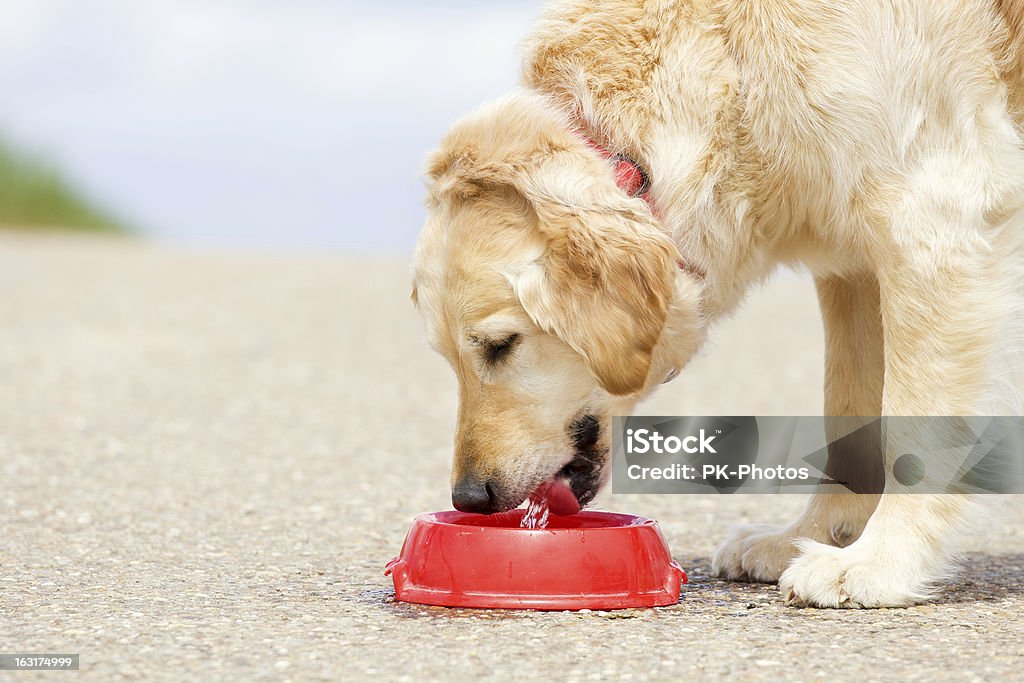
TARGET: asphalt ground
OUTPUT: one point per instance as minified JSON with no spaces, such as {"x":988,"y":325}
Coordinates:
{"x":207,"y":458}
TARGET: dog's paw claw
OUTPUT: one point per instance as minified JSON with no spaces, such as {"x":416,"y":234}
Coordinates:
{"x":754,"y":552}
{"x":825,"y":576}
{"x":844,"y":595}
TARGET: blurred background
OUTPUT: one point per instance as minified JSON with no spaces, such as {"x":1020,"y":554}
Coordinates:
{"x":298,"y":125}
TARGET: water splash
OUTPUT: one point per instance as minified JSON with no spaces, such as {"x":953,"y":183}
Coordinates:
{"x":537,"y":513}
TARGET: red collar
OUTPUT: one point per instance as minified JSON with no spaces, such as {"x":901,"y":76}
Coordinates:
{"x":634,"y":181}
{"x":629,"y":175}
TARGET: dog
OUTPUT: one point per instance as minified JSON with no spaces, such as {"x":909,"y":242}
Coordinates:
{"x":660,"y":158}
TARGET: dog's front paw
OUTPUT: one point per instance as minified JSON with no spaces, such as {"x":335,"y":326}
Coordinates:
{"x":754,"y":552}
{"x":826,"y":576}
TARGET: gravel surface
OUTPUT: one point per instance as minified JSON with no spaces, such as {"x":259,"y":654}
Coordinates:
{"x":206,"y":460}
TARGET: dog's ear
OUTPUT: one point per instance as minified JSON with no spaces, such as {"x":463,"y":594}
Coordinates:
{"x":606,"y":279}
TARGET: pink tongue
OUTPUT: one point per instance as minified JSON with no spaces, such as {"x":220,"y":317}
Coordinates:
{"x":560,"y":497}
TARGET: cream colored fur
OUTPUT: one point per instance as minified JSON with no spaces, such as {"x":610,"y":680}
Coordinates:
{"x":877,"y":143}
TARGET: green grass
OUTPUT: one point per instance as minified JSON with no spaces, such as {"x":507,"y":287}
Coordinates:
{"x":33,"y":194}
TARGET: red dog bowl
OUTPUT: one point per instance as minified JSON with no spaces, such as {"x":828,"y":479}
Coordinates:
{"x":591,"y":560}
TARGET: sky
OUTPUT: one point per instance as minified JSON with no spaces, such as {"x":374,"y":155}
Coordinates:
{"x":269,"y":124}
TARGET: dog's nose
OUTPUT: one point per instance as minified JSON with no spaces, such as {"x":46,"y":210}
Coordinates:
{"x":473,"y":495}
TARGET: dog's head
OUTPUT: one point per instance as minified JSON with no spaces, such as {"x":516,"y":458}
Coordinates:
{"x":554,"y":295}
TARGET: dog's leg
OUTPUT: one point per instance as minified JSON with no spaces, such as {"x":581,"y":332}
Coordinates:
{"x":942,"y":299}
{"x":853,"y":386}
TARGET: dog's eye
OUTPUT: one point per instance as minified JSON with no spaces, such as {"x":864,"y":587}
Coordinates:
{"x":499,"y":350}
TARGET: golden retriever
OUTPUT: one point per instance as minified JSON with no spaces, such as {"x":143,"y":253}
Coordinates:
{"x":876,"y":142}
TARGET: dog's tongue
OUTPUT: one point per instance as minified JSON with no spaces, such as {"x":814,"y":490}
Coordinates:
{"x":560,"y":497}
